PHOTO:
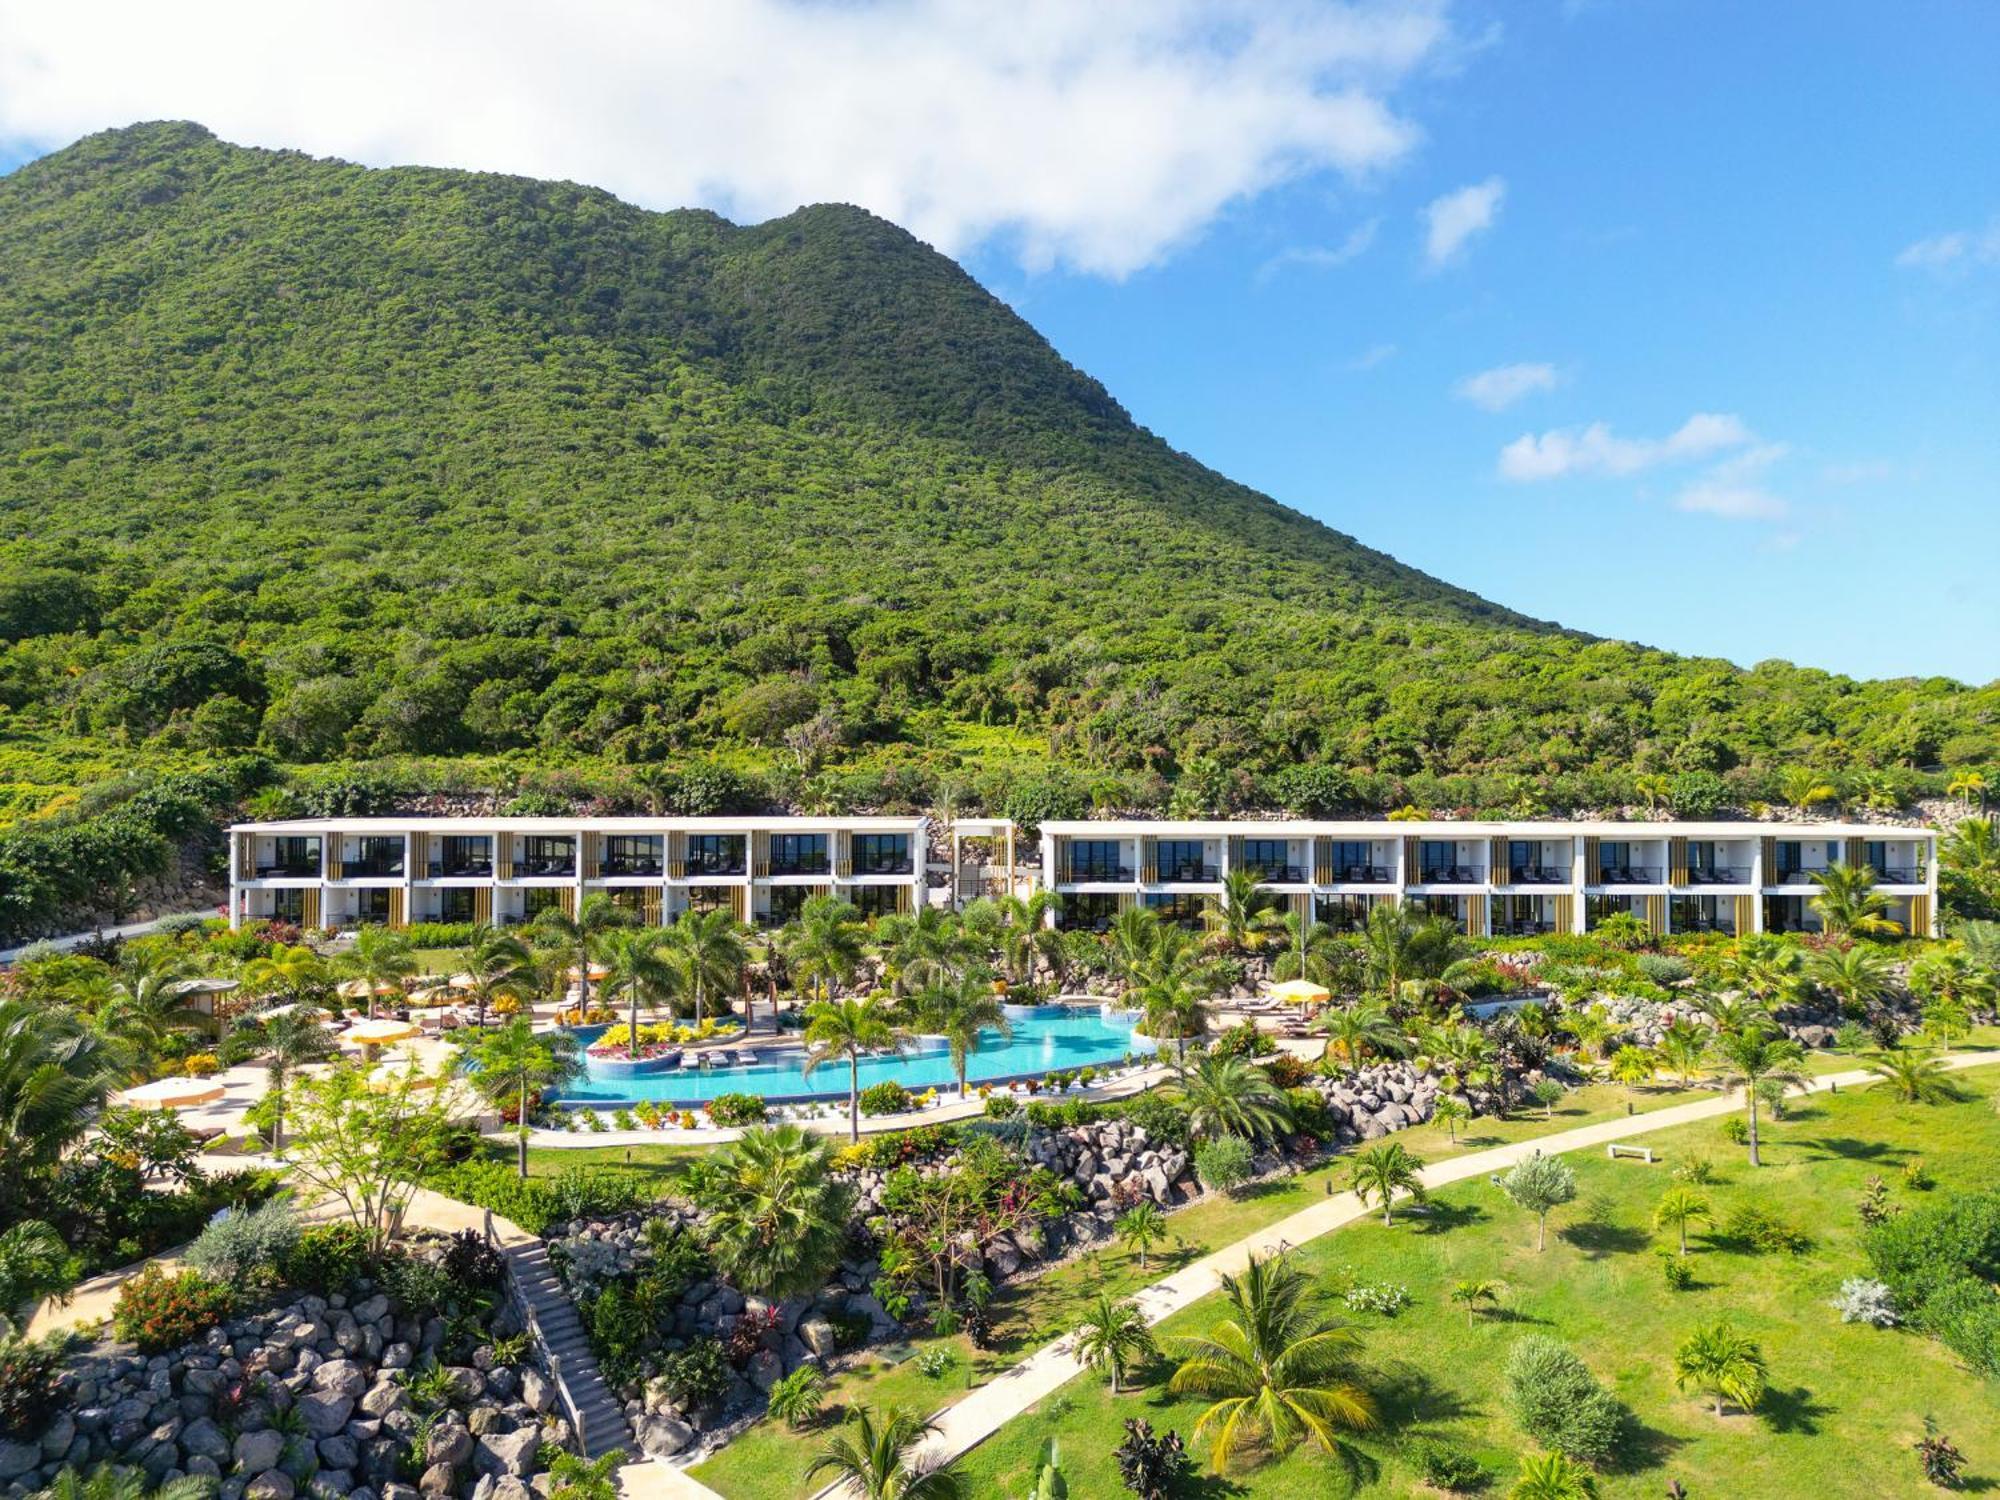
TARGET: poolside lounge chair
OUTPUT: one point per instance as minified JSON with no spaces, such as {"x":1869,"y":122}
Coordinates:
{"x":746,"y":1059}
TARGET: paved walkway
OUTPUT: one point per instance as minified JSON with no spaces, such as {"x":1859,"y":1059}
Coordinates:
{"x":129,"y":929}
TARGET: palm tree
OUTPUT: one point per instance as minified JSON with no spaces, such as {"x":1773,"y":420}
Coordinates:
{"x":1722,"y":1363}
{"x":1112,"y":1336}
{"x":1968,"y":787}
{"x":1141,"y":1227}
{"x":1553,"y":1476}
{"x":1764,"y":967}
{"x":1678,"y":1208}
{"x":140,"y":1003}
{"x":580,"y":938}
{"x":1398,"y":946}
{"x":381,"y":958}
{"x":515,"y":1061}
{"x":776,"y":1213}
{"x":636,"y":970}
{"x":1653,"y":789}
{"x":1281,"y":1368}
{"x":1353,"y":1031}
{"x":706,"y":948}
{"x":35,"y":1262}
{"x":496,"y":966}
{"x":837,"y":1029}
{"x":880,"y":1460}
{"x":824,"y":947}
{"x":1802,"y":787}
{"x":1229,"y":1095}
{"x":1314,"y":952}
{"x":1245,"y":914}
{"x":1382,"y":1171}
{"x":959,"y":1008}
{"x":1027,"y":933}
{"x":287,"y":1043}
{"x":1134,"y":938}
{"x":1848,"y":903}
{"x":1916,"y":1078}
{"x":1633,"y":1066}
{"x":1750,"y":1056}
{"x":1473,"y":1291}
{"x":922,"y":948}
{"x":1451,"y":1110}
{"x":1173,"y":1004}
{"x":1683,"y":1045}
{"x":1855,"y":977}
{"x":288,"y":969}
{"x":54,"y":1074}
{"x":1592,"y":1029}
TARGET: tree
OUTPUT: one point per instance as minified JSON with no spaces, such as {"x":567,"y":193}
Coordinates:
{"x":34,"y":1263}
{"x":1723,"y":1364}
{"x":140,"y":1003}
{"x":496,"y":965}
{"x":1245,"y":915}
{"x":924,"y":948}
{"x":509,"y":1064}
{"x":1633,"y":1066}
{"x":1856,"y":977}
{"x":579,"y":937}
{"x":291,"y":969}
{"x":287,"y":1043}
{"x":776,"y":1213}
{"x":1230,"y":1095}
{"x":1968,"y":787}
{"x":1113,"y":1336}
{"x":1382,"y":1171}
{"x":54,"y":1074}
{"x":1027,"y":933}
{"x":1397,"y":946}
{"x":960,"y":1008}
{"x":636,"y":971}
{"x":1280,"y":1368}
{"x":1313,"y":951}
{"x":381,"y":958}
{"x":1765,"y":967}
{"x":1539,"y":1184}
{"x":1354,"y":1031}
{"x":1652,"y":790}
{"x":1141,"y":1227}
{"x":1848,"y":905}
{"x":1802,"y":788}
{"x":848,"y":1030}
{"x":1553,"y":1476}
{"x":1592,"y":1029}
{"x":1473,"y":1291}
{"x":1748,"y":1057}
{"x":1548,"y":1093}
{"x":1677,"y":1208}
{"x":882,"y":1459}
{"x":1172,"y":1004}
{"x":797,"y":1399}
{"x":1915,"y":1077}
{"x":1451,"y":1110}
{"x":824,"y":947}
{"x":369,"y":1147}
{"x":1683,"y":1046}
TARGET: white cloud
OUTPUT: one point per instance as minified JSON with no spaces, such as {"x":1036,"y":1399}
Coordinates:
{"x":1595,"y":449}
{"x":1499,"y":388}
{"x":1322,"y":257}
{"x":1953,"y":251}
{"x":1369,"y":358}
{"x":1095,"y":137}
{"x":1734,"y":490}
{"x":1456,"y":217}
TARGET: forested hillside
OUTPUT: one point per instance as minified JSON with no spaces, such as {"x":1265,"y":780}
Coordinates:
{"x":329,"y":465}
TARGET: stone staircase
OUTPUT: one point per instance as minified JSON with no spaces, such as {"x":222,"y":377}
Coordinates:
{"x":563,"y":1343}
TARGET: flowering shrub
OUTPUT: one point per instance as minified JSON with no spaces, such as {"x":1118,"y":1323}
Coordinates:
{"x":736,"y":1109}
{"x":1864,"y":1300}
{"x":31,"y":1387}
{"x":1385,"y":1297}
{"x":200,"y":1064}
{"x":156,"y":1312}
{"x":885,"y":1098}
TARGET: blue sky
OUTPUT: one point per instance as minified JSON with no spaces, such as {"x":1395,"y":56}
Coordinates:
{"x":1730,"y":273}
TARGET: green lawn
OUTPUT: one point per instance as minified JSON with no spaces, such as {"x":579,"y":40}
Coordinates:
{"x":1847,"y":1402}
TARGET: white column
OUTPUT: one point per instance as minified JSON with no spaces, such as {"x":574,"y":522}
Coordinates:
{"x":235,"y":882}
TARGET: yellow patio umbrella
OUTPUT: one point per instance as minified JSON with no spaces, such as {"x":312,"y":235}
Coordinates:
{"x":379,"y":1033}
{"x":172,"y":1093}
{"x":1300,"y":992}
{"x":357,"y":989}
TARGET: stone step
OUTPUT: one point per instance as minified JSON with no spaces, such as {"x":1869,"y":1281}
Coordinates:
{"x":563,"y":1335}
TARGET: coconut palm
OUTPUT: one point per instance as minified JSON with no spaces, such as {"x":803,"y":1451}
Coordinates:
{"x":960,"y":1008}
{"x":581,"y":938}
{"x":1397,"y":946}
{"x":879,"y":1459}
{"x":1280,"y":1367}
{"x":495,"y":966}
{"x":849,"y":1029}
{"x":1173,"y":1003}
{"x":1856,"y":977}
{"x":635,"y":971}
{"x":1653,"y":789}
{"x":509,"y":1064}
{"x":923,"y":947}
{"x":1382,"y":1171}
{"x":1968,"y":787}
{"x":1113,"y":1336}
{"x":1678,"y":1207}
{"x":1723,"y":1364}
{"x":1953,"y":973}
{"x":1633,"y":1066}
{"x":705,"y":949}
{"x":1245,"y":915}
{"x":1357,"y":1030}
{"x":1848,"y":905}
{"x":1230,"y":1095}
{"x":1134,"y":939}
{"x":1803,"y":788}
{"x":1141,"y":1227}
{"x":1028,"y":932}
{"x":1916,"y":1077}
{"x":1683,"y":1046}
{"x":54,"y":1074}
{"x":1553,"y":1476}
{"x":381,"y":958}
{"x":287,"y":1043}
{"x":1766,"y":968}
{"x":776,"y":1214}
{"x":288,"y":969}
{"x":1973,"y":846}
{"x":1473,"y":1291}
{"x":1592,"y":1029}
{"x":139,"y":1004}
{"x":1750,"y":1056}
{"x":1451,"y":1111}
{"x":824,"y":946}
{"x":1314,"y":952}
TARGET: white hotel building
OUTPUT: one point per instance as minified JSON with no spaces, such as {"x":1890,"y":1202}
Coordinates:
{"x":1490,"y":878}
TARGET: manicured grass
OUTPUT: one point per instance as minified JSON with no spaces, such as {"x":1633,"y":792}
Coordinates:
{"x":1846,"y":1403}
{"x":664,"y":1163}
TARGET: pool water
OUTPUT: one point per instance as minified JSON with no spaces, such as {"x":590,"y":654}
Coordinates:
{"x":1044,"y":1039}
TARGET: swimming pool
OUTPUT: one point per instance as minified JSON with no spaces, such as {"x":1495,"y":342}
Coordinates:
{"x":1045,"y":1038}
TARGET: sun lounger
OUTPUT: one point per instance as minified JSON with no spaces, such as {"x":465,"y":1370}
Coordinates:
{"x":746,"y":1059}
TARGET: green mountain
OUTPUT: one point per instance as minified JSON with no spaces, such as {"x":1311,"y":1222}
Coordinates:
{"x":340,"y":464}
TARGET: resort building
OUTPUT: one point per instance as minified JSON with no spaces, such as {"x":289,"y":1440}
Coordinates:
{"x":1490,"y":878}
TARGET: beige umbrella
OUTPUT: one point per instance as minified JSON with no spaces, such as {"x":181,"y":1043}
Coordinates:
{"x":357,"y":989}
{"x":597,"y":971}
{"x":379,"y":1033}
{"x":172,"y":1093}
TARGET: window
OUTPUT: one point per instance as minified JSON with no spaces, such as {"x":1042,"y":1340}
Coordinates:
{"x":1091,"y":911}
{"x":1186,"y":910}
{"x":1342,"y":913}
{"x":1597,"y":908}
{"x":798,"y":854}
{"x":291,"y":856}
{"x":1437,"y":862}
{"x":629,"y":899}
{"x":1353,"y":861}
{"x":786,"y":902}
{"x":376,"y":856}
{"x":1183,"y":859}
{"x":707,"y":898}
{"x":1451,"y":908}
{"x":289,"y":905}
{"x":455,"y":904}
{"x":881,"y":854}
{"x":463,"y":854}
{"x":371,"y":905}
{"x":542,"y":855}
{"x":1702,"y":914}
{"x":1791,"y":859}
{"x":538,"y":899}
{"x":715,"y":854}
{"x":632,"y":854}
{"x":1096,"y":859}
{"x":874,"y":900}
{"x":1270,"y":858}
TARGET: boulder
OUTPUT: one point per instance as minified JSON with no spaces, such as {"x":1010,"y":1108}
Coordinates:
{"x":506,"y":1452}
{"x":205,"y":1438}
{"x":536,"y":1391}
{"x":17,"y":1459}
{"x":765,"y":1370}
{"x":323,"y":1415}
{"x":339,"y":1452}
{"x":662,"y":1436}
{"x":507,"y":1487}
{"x":448,"y":1444}
{"x":340,"y":1377}
{"x":272,"y":1484}
{"x":438,"y":1479}
{"x":258,"y":1451}
{"x":467,"y":1384}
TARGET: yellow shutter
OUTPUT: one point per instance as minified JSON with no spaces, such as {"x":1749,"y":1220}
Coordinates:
{"x":1655,"y":913}
{"x":1499,"y":868}
{"x":1234,"y":844}
{"x":1593,"y":862}
{"x":1322,"y":861}
{"x":1920,"y":916}
{"x":1064,"y":864}
{"x":760,"y":854}
{"x":1149,"y":860}
{"x":1475,"y":916}
{"x":309,"y":908}
{"x":843,"y":853}
{"x":677,"y":855}
{"x":1302,"y":906}
{"x":397,"y":913}
{"x":1746,"y":914}
{"x":1412,"y":859}
{"x":1677,"y":861}
{"x":482,"y":903}
{"x":1127,"y":900}
{"x":503,"y":856}
{"x":1857,"y":852}
{"x":1769,"y":848}
{"x":649,"y":906}
{"x":334,"y":864}
{"x":566,"y":899}
{"x":1565,"y":912}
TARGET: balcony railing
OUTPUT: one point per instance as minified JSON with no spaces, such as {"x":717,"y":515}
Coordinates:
{"x":379,"y":865}
{"x":1362,"y":875}
{"x":1629,"y":875}
{"x":802,"y":864}
{"x":1102,"y":873}
{"x":546,"y":864}
{"x":893,"y":865}
{"x":1449,"y":875}
{"x":1523,"y":929}
{"x":714,"y":864}
{"x":1800,"y":877}
{"x":1188,"y":871}
{"x":457,"y":869}
{"x":303,"y":869}
{"x":1537,"y":875}
{"x":1897,"y":875}
{"x":652,"y":867}
{"x":1271,"y":874}
{"x":1718,"y":875}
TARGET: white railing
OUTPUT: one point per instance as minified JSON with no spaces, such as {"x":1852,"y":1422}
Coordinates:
{"x":533,"y":1326}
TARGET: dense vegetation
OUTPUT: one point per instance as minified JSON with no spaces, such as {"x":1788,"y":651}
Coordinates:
{"x":480,"y":478}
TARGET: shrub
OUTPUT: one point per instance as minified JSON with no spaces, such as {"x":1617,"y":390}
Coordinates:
{"x":1764,"y":1232}
{"x":1663,"y":968}
{"x":326,"y":1258}
{"x":798,"y":1399}
{"x":1863,"y":1300}
{"x":1695,"y":795}
{"x":1002,"y":1107}
{"x":1696,"y":1170}
{"x":246,"y":1245}
{"x":472,"y":1263}
{"x":1162,"y":1120}
{"x":1287,"y":1070}
{"x":31,"y":1389}
{"x":1674,"y":1270}
{"x":1153,"y":1468}
{"x":885,"y":1098}
{"x":736,"y":1109}
{"x":1736,"y":1130}
{"x":1223,"y":1163}
{"x":440,"y":934}
{"x":1916,"y":1177}
{"x":156,"y":1312}
{"x":697,"y":1375}
{"x":1559,"y":1403}
{"x":936,"y":1362}
{"x":1446,"y":1468}
{"x":538,"y":1202}
{"x":1939,"y":1458}
{"x":1939,"y":1262}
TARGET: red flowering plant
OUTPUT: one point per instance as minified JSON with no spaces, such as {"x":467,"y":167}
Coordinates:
{"x":156,"y":1312}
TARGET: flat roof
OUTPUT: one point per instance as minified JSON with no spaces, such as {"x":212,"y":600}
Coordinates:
{"x":498,"y":823}
{"x":1460,"y":828}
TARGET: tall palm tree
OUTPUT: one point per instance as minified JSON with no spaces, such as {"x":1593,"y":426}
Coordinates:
{"x":1397,"y":946}
{"x":54,"y":1073}
{"x":1679,"y":1207}
{"x":580,"y":938}
{"x":635,"y":971}
{"x":1967,"y":786}
{"x":1028,"y":933}
{"x":847,"y":1030}
{"x":1229,"y":1095}
{"x":1281,"y":1368}
{"x":706,"y":948}
{"x":1354,"y":1031}
{"x":959,"y":1008}
{"x":1244,"y":915}
{"x":1173,"y":1002}
{"x":498,"y":967}
{"x":1802,"y":787}
{"x":1750,"y":1056}
{"x":1683,"y":1046}
{"x":1653,"y":789}
{"x":287,"y":1043}
{"x":1856,"y":977}
{"x":1382,"y":1171}
{"x":825,"y":945}
{"x":881,"y":1461}
{"x":1314,"y":952}
{"x":776,"y":1213}
{"x":381,"y":958}
{"x":1113,"y":1336}
{"x":1848,"y":904}
{"x":1915,"y":1077}
{"x":1134,"y":939}
{"x":923,"y":947}
{"x":1553,"y":1476}
{"x":140,"y":1003}
{"x":515,"y":1061}
{"x":1723,"y":1364}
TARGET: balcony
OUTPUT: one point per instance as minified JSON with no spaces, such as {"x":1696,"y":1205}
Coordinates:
{"x":701,"y":866}
{"x":1187,"y":872}
{"x":1119,"y":874}
{"x":1718,"y":875}
{"x":1449,"y":875}
{"x":891,"y":865}
{"x":479,"y":869}
{"x":1630,"y":875}
{"x":1538,"y":874}
{"x":1277,"y":874}
{"x":629,"y":866}
{"x":1897,"y":875}
{"x":1800,"y":877}
{"x":546,"y":864}
{"x":375,"y":866}
{"x":1523,"y":929}
{"x":1362,"y":875}
{"x":801,"y":864}
{"x":305,"y":869}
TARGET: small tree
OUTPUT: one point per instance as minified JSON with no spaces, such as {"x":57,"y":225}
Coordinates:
{"x":797,"y":1399}
{"x":1633,"y":1066}
{"x":1113,"y":1336}
{"x":1539,"y":1184}
{"x":1548,"y":1093}
{"x":1553,"y":1476}
{"x":1677,"y":1208}
{"x":1720,"y":1362}
{"x":368,"y":1147}
{"x":1380,"y":1172}
{"x":1450,"y":1109}
{"x":1470,"y":1293}
{"x":1223,"y":1164}
{"x":1141,"y":1227}
{"x":1153,"y":1468}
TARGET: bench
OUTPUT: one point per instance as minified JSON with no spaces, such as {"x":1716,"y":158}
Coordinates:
{"x":1643,"y":1153}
